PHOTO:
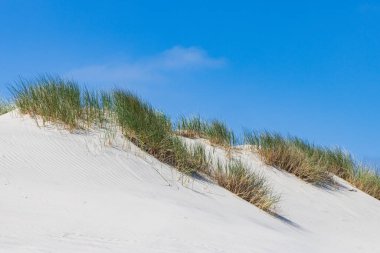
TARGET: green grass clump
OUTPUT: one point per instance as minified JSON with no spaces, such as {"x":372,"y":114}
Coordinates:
{"x":152,"y":132}
{"x":140,"y":123}
{"x":189,"y":159}
{"x":58,"y":100}
{"x":5,"y":107}
{"x":292,"y":155}
{"x":52,"y":98}
{"x":219,"y":134}
{"x":215,"y":131}
{"x":96,"y":107}
{"x":249,"y":186}
{"x":192,"y":127}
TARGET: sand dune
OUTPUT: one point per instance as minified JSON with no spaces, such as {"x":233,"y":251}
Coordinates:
{"x":69,"y":192}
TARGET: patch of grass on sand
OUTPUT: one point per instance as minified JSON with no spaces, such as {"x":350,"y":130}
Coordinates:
{"x":5,"y":106}
{"x":312,"y":163}
{"x":246,"y":184}
{"x":215,"y":131}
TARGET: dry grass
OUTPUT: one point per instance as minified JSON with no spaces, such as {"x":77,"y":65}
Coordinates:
{"x":366,"y":180}
{"x":312,"y":163}
{"x":249,"y":186}
{"x":215,"y":131}
{"x":292,"y":155}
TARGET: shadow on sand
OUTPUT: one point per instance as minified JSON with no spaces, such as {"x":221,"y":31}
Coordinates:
{"x":286,"y":221}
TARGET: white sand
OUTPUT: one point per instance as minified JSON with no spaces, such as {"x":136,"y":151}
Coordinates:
{"x":62,"y":192}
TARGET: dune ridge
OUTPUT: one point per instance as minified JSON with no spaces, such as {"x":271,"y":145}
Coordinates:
{"x":69,"y":192}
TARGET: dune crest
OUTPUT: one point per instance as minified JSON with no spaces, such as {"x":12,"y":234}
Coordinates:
{"x":68,"y":192}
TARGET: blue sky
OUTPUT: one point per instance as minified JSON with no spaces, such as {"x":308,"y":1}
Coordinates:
{"x":307,"y":68}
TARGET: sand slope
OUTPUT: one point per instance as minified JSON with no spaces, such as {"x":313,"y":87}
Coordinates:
{"x":62,"y":192}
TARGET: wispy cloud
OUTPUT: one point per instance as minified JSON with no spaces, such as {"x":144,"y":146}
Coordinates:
{"x":156,"y":68}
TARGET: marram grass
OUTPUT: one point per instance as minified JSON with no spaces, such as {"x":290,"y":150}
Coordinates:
{"x":299,"y":159}
{"x":52,"y":98}
{"x":62,"y":101}
{"x":215,"y":131}
{"x":312,"y":163}
{"x":366,"y":180}
{"x":140,"y":123}
{"x":5,"y":106}
{"x":58,"y":100}
{"x":152,"y":131}
{"x":246,"y":184}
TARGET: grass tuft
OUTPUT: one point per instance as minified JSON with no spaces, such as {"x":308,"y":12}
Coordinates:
{"x":366,"y":180}
{"x":152,"y":132}
{"x":52,"y":98}
{"x":5,"y":107}
{"x":249,"y":186}
{"x":58,"y":100}
{"x":290,"y":154}
{"x":215,"y":131}
{"x":140,"y":123}
{"x":189,"y":159}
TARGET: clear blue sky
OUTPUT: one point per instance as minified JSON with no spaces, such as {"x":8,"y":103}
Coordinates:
{"x":307,"y":68}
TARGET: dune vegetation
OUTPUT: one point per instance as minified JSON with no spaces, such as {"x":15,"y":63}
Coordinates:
{"x":152,"y":132}
{"x":57,"y":100}
{"x":312,"y":163}
{"x":5,"y":107}
{"x":64,"y":102}
{"x":292,"y":155}
{"x":246,"y":184}
{"x":215,"y":131}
